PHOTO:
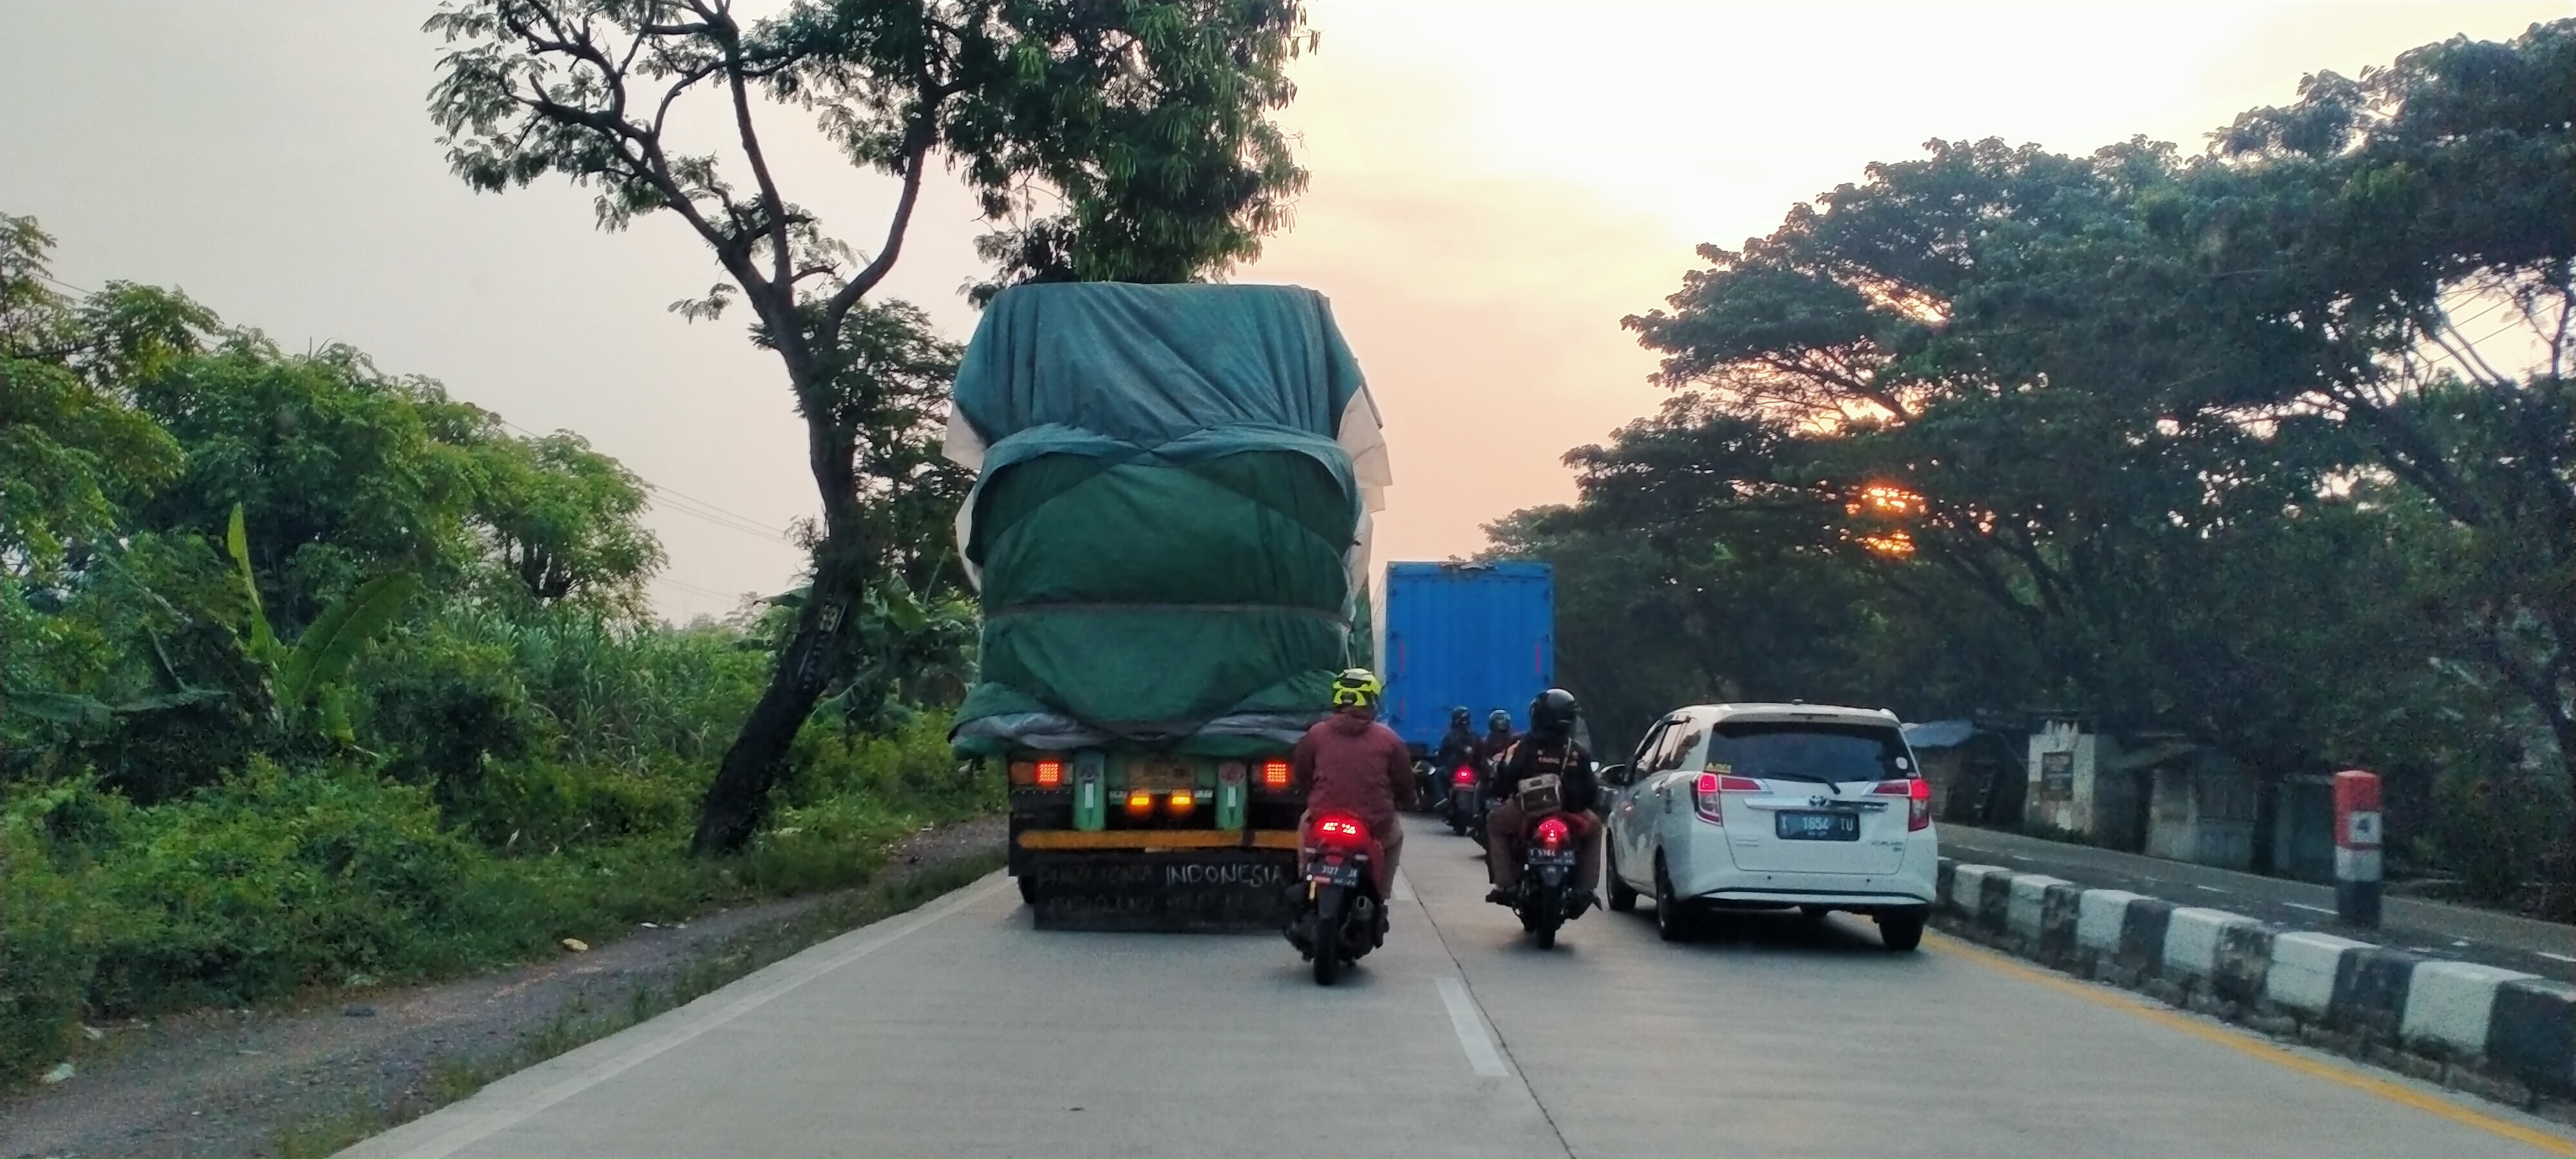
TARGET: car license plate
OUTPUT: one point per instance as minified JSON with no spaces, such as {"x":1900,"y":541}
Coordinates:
{"x":1803,"y":825}
{"x":1333,"y":870}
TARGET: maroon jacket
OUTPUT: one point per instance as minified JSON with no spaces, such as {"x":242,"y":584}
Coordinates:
{"x":1355,"y":766}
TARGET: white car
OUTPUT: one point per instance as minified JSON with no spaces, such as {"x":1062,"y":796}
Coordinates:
{"x":1770,"y":806}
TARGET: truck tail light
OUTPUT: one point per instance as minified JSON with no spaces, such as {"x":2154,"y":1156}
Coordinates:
{"x":1050,"y":772}
{"x":1140,"y":804}
{"x":1274,"y":774}
{"x":1707,"y":795}
{"x":1182,"y":803}
{"x":1918,"y":800}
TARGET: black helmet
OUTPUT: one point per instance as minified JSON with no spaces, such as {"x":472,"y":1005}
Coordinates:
{"x":1499,"y":720}
{"x":1553,"y":711}
{"x":1458,"y":716}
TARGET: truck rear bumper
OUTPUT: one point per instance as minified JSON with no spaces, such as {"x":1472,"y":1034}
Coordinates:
{"x":1161,"y":889}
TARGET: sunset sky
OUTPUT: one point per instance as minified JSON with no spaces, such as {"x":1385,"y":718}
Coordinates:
{"x":1494,"y":186}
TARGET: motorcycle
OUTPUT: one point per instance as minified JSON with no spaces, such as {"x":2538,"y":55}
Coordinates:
{"x":1545,"y":898}
{"x":1462,"y":806}
{"x":1340,"y":917}
{"x":1426,"y":784}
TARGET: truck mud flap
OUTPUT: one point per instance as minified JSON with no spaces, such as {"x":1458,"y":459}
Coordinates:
{"x":1173,"y":891}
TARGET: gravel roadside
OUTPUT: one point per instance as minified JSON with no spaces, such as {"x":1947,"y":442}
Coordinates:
{"x":311,"y":1079}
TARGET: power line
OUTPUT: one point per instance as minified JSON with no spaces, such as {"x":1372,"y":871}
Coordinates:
{"x":686,"y":504}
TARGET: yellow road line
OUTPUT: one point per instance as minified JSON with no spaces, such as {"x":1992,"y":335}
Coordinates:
{"x":2244,"y":1042}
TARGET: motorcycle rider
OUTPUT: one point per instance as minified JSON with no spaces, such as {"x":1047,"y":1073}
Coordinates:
{"x":1498,"y":736}
{"x":1352,"y":764}
{"x":1458,"y":749}
{"x":1548,"y":748}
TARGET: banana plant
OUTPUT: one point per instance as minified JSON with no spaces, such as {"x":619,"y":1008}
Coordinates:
{"x":308,"y":677}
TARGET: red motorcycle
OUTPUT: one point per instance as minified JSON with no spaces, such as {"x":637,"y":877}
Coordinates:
{"x":1343,"y":914}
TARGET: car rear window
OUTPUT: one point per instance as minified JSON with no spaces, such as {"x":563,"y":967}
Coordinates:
{"x":1805,"y":750}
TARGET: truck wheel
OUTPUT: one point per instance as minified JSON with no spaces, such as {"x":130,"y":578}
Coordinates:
{"x":1028,"y":892}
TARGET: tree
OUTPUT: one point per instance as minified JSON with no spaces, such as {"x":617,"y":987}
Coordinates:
{"x":74,"y":452}
{"x":565,"y":522}
{"x":2397,"y":237}
{"x":1146,"y":120}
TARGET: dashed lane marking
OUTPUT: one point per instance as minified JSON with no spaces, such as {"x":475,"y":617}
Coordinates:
{"x":2545,"y":1142}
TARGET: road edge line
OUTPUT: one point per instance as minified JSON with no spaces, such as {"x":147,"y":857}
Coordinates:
{"x":589,"y":1066}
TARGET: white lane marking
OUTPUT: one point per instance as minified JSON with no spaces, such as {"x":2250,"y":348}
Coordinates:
{"x":471,"y":1126}
{"x":1403,"y":887}
{"x":1471,"y":1029}
{"x":2212,"y":889}
{"x":2314,"y":909}
{"x":2554,"y":957}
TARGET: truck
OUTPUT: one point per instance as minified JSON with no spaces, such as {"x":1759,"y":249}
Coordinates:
{"x":1171,"y":513}
{"x":1481,"y":635}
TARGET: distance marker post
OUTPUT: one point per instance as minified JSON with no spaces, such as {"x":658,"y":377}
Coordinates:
{"x":2356,"y":820}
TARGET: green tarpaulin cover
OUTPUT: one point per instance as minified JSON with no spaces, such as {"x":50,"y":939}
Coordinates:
{"x":1168,"y":514}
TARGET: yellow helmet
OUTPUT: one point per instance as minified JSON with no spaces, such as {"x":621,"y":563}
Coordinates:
{"x":1356,"y":686}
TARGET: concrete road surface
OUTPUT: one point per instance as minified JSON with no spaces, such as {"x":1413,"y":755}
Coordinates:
{"x":958,"y":1030}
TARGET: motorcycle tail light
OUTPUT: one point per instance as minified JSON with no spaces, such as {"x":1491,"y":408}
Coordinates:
{"x":1464,"y":776}
{"x":1918,"y":800}
{"x":1274,"y":774}
{"x":1552,"y":834}
{"x":1338,"y":830}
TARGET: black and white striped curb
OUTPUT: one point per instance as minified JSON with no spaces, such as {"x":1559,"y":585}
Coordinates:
{"x":2500,"y":1033}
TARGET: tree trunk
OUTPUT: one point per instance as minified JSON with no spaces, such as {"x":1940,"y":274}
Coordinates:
{"x":820,"y":650}
{"x":738,"y":801}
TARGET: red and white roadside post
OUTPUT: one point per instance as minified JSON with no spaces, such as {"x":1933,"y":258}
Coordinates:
{"x":2356,"y":820}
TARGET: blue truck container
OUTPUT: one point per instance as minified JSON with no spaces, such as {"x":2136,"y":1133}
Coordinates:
{"x":1478,"y":634}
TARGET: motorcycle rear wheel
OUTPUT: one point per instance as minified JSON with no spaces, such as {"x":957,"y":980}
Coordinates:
{"x":1328,"y":935}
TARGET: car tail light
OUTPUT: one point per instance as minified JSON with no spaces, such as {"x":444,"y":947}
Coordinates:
{"x":1050,"y":773}
{"x":1464,"y":776}
{"x":1918,"y":800}
{"x":1140,"y":804}
{"x":1274,"y":774}
{"x":1337,"y":830}
{"x":1705,"y":795}
{"x":1552,"y":833}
